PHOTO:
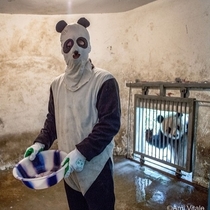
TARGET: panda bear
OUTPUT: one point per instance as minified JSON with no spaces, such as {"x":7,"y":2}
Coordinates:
{"x":172,"y":128}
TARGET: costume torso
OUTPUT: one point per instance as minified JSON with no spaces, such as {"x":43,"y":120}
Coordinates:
{"x":75,"y":115}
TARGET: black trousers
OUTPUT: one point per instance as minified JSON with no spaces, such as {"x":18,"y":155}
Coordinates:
{"x":100,"y":195}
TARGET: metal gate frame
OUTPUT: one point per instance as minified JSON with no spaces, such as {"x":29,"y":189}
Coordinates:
{"x":184,"y":88}
{"x":165,"y":104}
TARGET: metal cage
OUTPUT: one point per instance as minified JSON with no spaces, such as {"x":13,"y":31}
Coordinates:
{"x":175,"y":147}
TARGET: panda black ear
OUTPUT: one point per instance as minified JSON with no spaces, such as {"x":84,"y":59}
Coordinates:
{"x":60,"y":26}
{"x":84,"y":22}
{"x":178,"y":114}
{"x":160,"y":118}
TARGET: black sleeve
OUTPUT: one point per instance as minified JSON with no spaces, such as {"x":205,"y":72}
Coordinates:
{"x":48,"y":133}
{"x":109,"y":113}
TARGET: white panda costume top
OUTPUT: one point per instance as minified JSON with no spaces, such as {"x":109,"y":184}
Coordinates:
{"x":84,"y":107}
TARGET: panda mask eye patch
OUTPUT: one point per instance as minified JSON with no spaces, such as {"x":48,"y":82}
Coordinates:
{"x":68,"y":45}
{"x":82,"y":42}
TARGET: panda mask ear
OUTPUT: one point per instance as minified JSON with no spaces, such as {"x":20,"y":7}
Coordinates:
{"x":60,"y":26}
{"x":83,"y":22}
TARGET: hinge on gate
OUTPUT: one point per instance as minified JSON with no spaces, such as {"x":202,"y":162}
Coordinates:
{"x":145,"y":90}
{"x":184,"y":92}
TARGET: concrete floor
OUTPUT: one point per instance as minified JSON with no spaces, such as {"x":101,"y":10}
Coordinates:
{"x":136,"y":188}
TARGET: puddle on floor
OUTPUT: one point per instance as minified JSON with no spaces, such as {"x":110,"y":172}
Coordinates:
{"x":141,"y":184}
{"x":158,"y":197}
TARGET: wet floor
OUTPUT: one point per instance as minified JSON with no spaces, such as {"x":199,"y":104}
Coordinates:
{"x":136,"y":188}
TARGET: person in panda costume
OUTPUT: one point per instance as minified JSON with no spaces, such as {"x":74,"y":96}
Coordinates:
{"x":84,"y":116}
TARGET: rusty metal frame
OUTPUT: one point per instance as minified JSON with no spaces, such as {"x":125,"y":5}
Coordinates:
{"x":184,"y":87}
{"x":153,"y":102}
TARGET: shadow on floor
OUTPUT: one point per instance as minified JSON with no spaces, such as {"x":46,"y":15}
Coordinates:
{"x":136,"y":188}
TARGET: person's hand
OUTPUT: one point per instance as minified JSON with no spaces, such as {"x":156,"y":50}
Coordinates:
{"x":74,"y":161}
{"x":33,"y":150}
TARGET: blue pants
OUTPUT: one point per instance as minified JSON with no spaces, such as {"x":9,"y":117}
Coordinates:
{"x":100,"y":195}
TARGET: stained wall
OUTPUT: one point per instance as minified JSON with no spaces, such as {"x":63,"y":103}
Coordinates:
{"x":156,"y":42}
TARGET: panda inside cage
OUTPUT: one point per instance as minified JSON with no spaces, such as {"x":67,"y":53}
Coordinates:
{"x":163,"y":130}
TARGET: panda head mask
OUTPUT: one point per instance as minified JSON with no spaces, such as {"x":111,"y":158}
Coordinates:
{"x":75,"y":47}
{"x":75,"y":41}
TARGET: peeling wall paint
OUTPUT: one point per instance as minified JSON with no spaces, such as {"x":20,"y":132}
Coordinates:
{"x":156,"y":42}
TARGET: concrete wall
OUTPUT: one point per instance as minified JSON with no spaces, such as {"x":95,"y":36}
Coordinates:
{"x":159,"y":41}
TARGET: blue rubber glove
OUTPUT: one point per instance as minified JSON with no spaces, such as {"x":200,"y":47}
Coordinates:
{"x":76,"y":162}
{"x":33,"y":150}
